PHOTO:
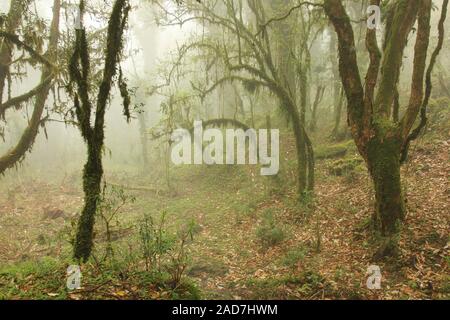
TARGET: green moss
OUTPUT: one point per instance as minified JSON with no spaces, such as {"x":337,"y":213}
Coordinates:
{"x":335,"y":150}
{"x":346,"y":166}
{"x":384,"y":167}
{"x":41,"y":279}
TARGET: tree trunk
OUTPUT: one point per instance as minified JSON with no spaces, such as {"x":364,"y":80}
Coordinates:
{"x":318,"y":98}
{"x":14,"y":19}
{"x":144,"y":141}
{"x":338,"y":94}
{"x":311,"y":165}
{"x":25,"y":143}
{"x":92,"y":177}
{"x":384,"y":167}
{"x":338,"y":104}
{"x":396,"y":106}
{"x":94,"y":136}
{"x":301,"y":157}
{"x":301,"y":136}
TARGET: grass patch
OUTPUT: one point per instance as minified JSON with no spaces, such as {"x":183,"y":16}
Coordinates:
{"x":294,"y":256}
{"x":334,"y":150}
{"x":270,"y":233}
{"x":305,"y":285}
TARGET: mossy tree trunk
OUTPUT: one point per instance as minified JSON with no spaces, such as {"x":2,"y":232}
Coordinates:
{"x":337,"y":88}
{"x":320,"y":90}
{"x":300,"y":135}
{"x":40,"y":92}
{"x":294,"y":82}
{"x":92,"y":177}
{"x":13,"y":21}
{"x":94,"y":136}
{"x":380,"y":137}
{"x":142,"y":118}
{"x":383,"y":160}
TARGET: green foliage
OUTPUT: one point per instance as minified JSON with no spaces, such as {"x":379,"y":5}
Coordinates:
{"x":46,"y":279}
{"x":109,"y":206}
{"x":164,"y":252}
{"x":270,"y":233}
{"x":40,"y":278}
{"x":154,"y":241}
{"x":250,"y":86}
{"x":243,"y":210}
{"x":439,"y":114}
{"x":179,"y":255}
{"x":294,"y":256}
{"x":304,"y":285}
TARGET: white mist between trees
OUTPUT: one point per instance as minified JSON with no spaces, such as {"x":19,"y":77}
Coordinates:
{"x":187,"y":150}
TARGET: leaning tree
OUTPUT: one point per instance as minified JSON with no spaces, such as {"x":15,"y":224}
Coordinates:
{"x":23,"y":48}
{"x":246,"y":49}
{"x":383,"y":138}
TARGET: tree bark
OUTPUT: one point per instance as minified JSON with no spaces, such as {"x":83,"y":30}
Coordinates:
{"x":94,"y":136}
{"x":318,"y":98}
{"x":92,"y":177}
{"x":14,"y":19}
{"x":142,"y":117}
{"x":384,"y":167}
{"x":380,"y":137}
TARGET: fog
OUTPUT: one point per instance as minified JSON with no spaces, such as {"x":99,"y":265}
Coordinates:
{"x":59,"y":149}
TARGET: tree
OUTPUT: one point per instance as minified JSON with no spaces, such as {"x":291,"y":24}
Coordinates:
{"x":93,"y":135}
{"x":248,"y":57}
{"x":320,"y":90}
{"x":380,"y":138}
{"x":337,"y":87}
{"x":41,"y":91}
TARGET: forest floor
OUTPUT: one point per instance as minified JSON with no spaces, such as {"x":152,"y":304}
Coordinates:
{"x":252,"y":240}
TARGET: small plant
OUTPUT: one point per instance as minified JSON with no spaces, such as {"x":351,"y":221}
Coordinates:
{"x":307,"y":206}
{"x":269,"y":232}
{"x":179,"y":257}
{"x":154,"y":241}
{"x":111,"y":202}
{"x":164,"y":252}
{"x":294,"y":256}
{"x":243,"y":210}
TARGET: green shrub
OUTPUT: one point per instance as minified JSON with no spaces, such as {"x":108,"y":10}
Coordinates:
{"x":345,"y":167}
{"x":294,"y":256}
{"x":164,"y":252}
{"x":154,"y":241}
{"x":269,"y":232}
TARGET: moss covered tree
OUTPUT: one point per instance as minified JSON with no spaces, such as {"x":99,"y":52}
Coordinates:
{"x":12,"y":42}
{"x":381,"y":138}
{"x":93,"y":134}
